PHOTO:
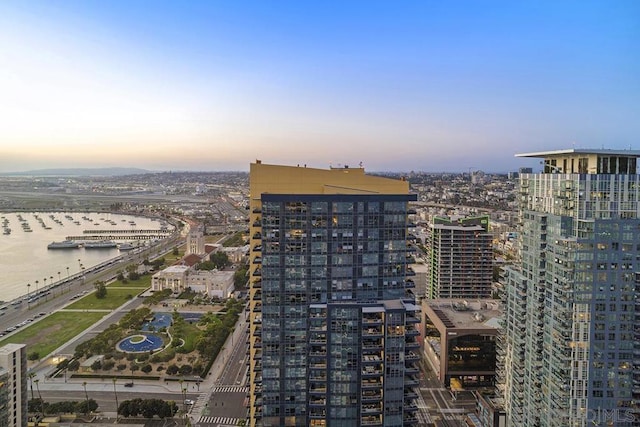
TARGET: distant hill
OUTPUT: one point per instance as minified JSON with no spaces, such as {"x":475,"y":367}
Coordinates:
{"x":79,"y":172}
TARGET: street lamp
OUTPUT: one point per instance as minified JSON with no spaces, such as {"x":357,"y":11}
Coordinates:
{"x":28,"y":299}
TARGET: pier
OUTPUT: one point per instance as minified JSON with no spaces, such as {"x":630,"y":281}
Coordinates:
{"x":121,"y":235}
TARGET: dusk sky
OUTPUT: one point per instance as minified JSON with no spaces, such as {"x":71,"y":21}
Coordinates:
{"x":399,"y":86}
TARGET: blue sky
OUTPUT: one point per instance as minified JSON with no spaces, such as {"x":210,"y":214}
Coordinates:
{"x":213,"y":85}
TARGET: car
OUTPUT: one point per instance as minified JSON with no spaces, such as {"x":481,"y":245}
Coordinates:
{"x":128,"y":384}
{"x":188,"y":402}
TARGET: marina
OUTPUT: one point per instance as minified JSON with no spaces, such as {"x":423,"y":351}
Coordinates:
{"x":57,"y":247}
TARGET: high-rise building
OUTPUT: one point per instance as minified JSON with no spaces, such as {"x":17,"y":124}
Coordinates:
{"x":568,"y":355}
{"x":13,"y":385}
{"x":333,"y":336}
{"x":460,"y":258}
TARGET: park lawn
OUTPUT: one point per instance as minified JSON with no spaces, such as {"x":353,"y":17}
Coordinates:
{"x":114,"y":299}
{"x":143,"y":282}
{"x":53,"y":331}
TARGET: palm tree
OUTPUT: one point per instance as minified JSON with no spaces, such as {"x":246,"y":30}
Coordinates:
{"x":37,"y":381}
{"x":28,"y":299}
{"x":37,"y":287}
{"x":67,"y":272}
{"x":31,"y":376}
{"x":86,"y":396}
{"x":116,"y":393}
{"x":59,"y":278}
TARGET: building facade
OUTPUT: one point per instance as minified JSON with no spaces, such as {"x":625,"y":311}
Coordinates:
{"x":13,"y":385}
{"x":569,"y":350}
{"x":333,"y":337}
{"x":460,"y":258}
{"x":460,"y":341}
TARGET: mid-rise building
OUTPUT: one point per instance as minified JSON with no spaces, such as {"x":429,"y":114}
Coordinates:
{"x":13,"y":385}
{"x":195,"y":240}
{"x":460,"y":341}
{"x":333,"y":336}
{"x":460,"y":258}
{"x":569,"y":352}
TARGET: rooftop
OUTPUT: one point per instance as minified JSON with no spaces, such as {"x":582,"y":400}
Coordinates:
{"x":457,"y":313}
{"x":603,"y":151}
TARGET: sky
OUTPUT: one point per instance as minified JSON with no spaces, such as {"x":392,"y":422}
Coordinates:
{"x":397,"y":86}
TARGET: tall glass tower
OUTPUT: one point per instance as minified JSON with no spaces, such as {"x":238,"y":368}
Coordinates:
{"x":333,"y":336}
{"x":569,"y":353}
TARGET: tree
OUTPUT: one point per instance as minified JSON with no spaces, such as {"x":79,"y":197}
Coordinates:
{"x":34,"y":355}
{"x":101,"y":290}
{"x":96,"y":366}
{"x":185,"y":369}
{"x":146,"y":368}
{"x":172,"y":369}
{"x":87,"y":406}
{"x":219,"y":259}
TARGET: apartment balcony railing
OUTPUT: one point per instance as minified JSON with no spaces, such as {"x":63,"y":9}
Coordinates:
{"x":257,"y":260}
{"x":368,"y":420}
{"x":257,"y":236}
{"x":372,"y":332}
{"x":411,"y":356}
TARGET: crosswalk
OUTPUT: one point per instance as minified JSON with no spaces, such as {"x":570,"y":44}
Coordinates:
{"x":230,"y":389}
{"x":221,"y":421}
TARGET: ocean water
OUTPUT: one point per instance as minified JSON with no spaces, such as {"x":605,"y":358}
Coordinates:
{"x":24,"y":257}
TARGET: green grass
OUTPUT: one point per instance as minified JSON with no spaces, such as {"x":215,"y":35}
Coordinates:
{"x":143,"y":282}
{"x":53,"y":331}
{"x":114,"y":299}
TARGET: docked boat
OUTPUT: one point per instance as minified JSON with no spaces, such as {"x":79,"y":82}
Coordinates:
{"x":126,"y":247}
{"x":65,"y":244}
{"x":102,"y":244}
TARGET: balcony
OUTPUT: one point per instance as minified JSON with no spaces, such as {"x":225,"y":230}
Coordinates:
{"x":412,"y":318}
{"x":372,"y":320}
{"x":411,"y":345}
{"x":257,"y":273}
{"x":371,"y":372}
{"x":257,"y":210}
{"x":411,"y":356}
{"x":317,"y":413}
{"x":257,"y":236}
{"x":410,"y":406}
{"x":257,"y":248}
{"x":257,"y":296}
{"x":317,"y":401}
{"x":257,"y":260}
{"x":410,"y":272}
{"x":371,"y":384}
{"x":411,"y":380}
{"x":411,"y":370}
{"x":370,"y":420}
{"x":371,"y":409}
{"x":409,"y":284}
{"x":257,"y":308}
{"x":372,"y":332}
{"x":369,"y":396}
{"x":317,"y":389}
{"x":410,"y":419}
{"x":411,"y":332}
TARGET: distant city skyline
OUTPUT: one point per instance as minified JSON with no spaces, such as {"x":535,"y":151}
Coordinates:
{"x":213,"y":86}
